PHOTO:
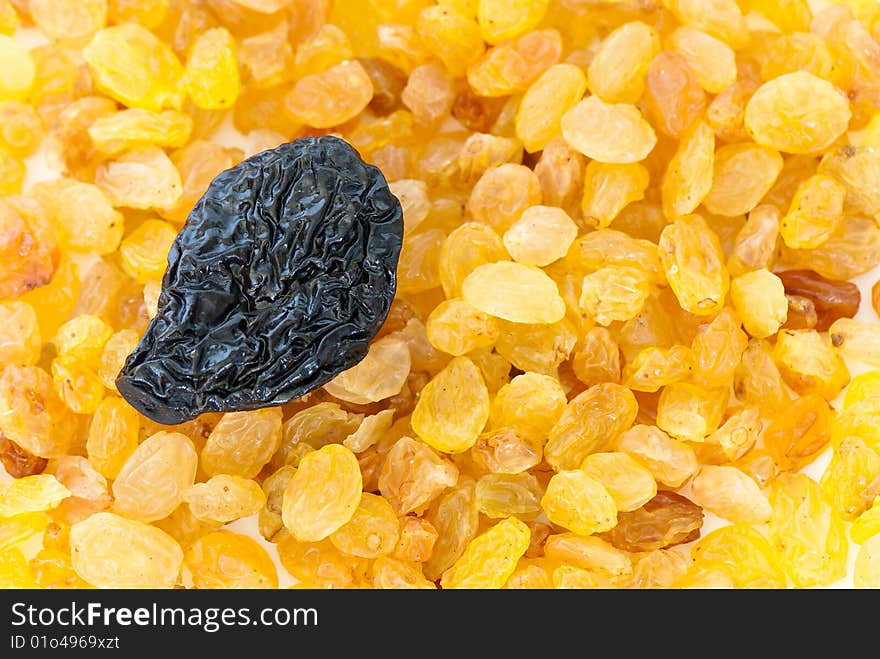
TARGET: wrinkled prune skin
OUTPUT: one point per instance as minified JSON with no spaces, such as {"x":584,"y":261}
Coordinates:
{"x":281,"y":276}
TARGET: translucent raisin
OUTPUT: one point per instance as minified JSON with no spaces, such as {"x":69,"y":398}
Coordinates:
{"x":668,"y":519}
{"x":831,"y":298}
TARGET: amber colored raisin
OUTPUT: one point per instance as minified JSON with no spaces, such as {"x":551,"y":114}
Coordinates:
{"x":799,"y":432}
{"x":666,"y":520}
{"x":673,"y":96}
{"x":388,"y":83}
{"x":18,"y":462}
{"x":831,"y":298}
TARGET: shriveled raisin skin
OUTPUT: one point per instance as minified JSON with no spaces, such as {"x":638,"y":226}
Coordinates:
{"x":284,"y":271}
{"x":833,"y":299}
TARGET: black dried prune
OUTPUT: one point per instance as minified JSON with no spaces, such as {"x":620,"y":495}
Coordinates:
{"x":284,"y":271}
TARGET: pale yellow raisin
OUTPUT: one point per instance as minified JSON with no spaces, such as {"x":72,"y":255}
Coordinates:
{"x":490,"y":558}
{"x":614,"y":293}
{"x":457,"y":328}
{"x":743,"y":175}
{"x":630,"y":484}
{"x":690,"y":412}
{"x":323,"y":493}
{"x":31,"y":494}
{"x":731,"y":494}
{"x":371,"y":532}
{"x":815,"y":212}
{"x":515,"y":292}
{"x":618,"y":69}
{"x":591,"y":422}
{"x":224,"y":498}
{"x":541,"y":235}
{"x":379,"y":375}
{"x":413,"y":475}
{"x":759,"y":298}
{"x":452,"y":408}
{"x":579,"y":502}
{"x":152,"y":481}
{"x":242,"y":443}
{"x":540,"y":113}
{"x":694,"y":263}
{"x":797,"y":113}
{"x":688,"y":177}
{"x":109,"y":551}
{"x":609,"y":188}
{"x":608,"y":132}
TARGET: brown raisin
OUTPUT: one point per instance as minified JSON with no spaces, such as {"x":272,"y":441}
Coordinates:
{"x":666,"y":520}
{"x":832,"y":299}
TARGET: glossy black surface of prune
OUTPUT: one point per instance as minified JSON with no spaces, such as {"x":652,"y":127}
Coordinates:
{"x":282,"y":274}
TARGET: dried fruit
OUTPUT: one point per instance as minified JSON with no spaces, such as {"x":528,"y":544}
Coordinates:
{"x":18,"y":70}
{"x":379,"y":375}
{"x":160,"y":382}
{"x":242,"y":443}
{"x":32,"y":414}
{"x":31,"y":494}
{"x":852,"y":479}
{"x":131,"y":65}
{"x":629,"y":483}
{"x":453,"y":408}
{"x":809,"y":363}
{"x":155,"y":476}
{"x":502,"y":195}
{"x":815,"y":212}
{"x":223,"y":559}
{"x":113,"y":436}
{"x":490,"y":558}
{"x":759,"y":298}
{"x":688,"y":177}
{"x":614,"y":293}
{"x":20,"y":339}
{"x":618,"y":70}
{"x":509,"y":495}
{"x":371,"y":532}
{"x":856,"y":339}
{"x":17,"y":462}
{"x":742,"y":555}
{"x":694,"y":264}
{"x":591,"y":422}
{"x":712,"y":61}
{"x":579,"y":502}
{"x":673,"y":96}
{"x":797,"y":113}
{"x":539,"y":116}
{"x":619,"y":293}
{"x":109,"y":551}
{"x":806,"y":532}
{"x":330,"y":97}
{"x":743,"y":174}
{"x":515,"y":292}
{"x":608,"y":132}
{"x":212,"y":78}
{"x":832,"y":299}
{"x":458,"y":328}
{"x":690,"y":412}
{"x":323,"y":493}
{"x":608,"y":189}
{"x":223,"y":498}
{"x":731,"y":494}
{"x":866,"y":573}
{"x":540,"y":236}
{"x":668,"y":519}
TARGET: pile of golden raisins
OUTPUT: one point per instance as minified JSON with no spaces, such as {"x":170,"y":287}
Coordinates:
{"x":624,"y":306}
